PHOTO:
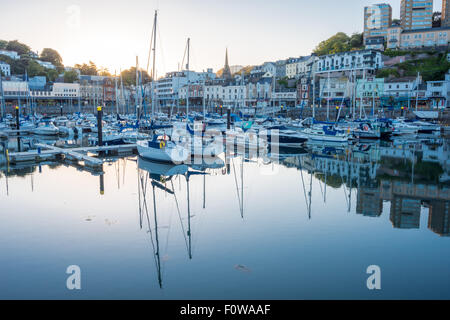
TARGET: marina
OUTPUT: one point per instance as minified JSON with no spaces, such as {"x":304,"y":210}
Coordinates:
{"x":225,"y":156}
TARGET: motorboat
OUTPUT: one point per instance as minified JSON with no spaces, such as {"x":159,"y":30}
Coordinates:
{"x":46,"y":128}
{"x":326,"y":133}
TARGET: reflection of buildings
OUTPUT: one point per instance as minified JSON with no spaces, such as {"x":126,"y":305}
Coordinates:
{"x":386,"y":173}
{"x":438,"y":218}
{"x":369,"y":202}
{"x":406,"y":201}
{"x":405,"y":213}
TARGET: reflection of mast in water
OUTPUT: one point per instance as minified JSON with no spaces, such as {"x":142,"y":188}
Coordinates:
{"x":240,"y":194}
{"x":307,"y":197}
{"x":189,"y":217}
{"x":143,"y":208}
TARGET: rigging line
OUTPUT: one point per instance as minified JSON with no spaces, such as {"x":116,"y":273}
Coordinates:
{"x":179,"y":216}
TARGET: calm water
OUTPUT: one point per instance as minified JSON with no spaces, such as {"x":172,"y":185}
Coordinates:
{"x":305,"y":227}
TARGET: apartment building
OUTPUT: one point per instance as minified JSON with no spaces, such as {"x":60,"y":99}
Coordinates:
{"x":416,"y":14}
{"x":377,"y":18}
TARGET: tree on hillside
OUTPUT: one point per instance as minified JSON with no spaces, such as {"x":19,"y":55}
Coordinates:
{"x":87,"y":69}
{"x":3,"y":44}
{"x":340,"y":42}
{"x":70,"y":76}
{"x":356,"y":40}
{"x":129,"y":76}
{"x":52,"y":56}
{"x":20,"y":48}
{"x":104,"y":72}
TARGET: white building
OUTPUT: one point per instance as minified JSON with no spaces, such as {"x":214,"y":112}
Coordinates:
{"x":284,"y":97}
{"x":360,"y":60}
{"x":228,"y":95}
{"x":291,"y":67}
{"x":46,"y":64}
{"x":5,"y":68}
{"x":166,"y":89}
{"x":66,"y":90}
{"x":12,"y":54}
{"x":335,"y":89}
{"x":401,"y":87}
{"x":15,"y":88}
{"x":438,"y":93}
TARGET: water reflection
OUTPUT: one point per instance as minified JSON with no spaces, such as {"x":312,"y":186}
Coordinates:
{"x":403,"y":180}
{"x":409,"y":176}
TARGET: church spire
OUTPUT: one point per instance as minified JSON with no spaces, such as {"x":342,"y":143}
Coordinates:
{"x":226,"y":70}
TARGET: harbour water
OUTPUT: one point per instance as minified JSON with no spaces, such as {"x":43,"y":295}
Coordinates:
{"x":304,"y":226}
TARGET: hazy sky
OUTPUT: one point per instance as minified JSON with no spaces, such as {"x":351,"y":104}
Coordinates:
{"x":112,"y":33}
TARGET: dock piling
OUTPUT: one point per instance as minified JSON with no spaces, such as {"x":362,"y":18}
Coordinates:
{"x":99,"y":126}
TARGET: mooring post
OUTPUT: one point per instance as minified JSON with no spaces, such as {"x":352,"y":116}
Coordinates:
{"x":18,"y":128}
{"x":99,"y":126}
{"x":228,"y":118}
{"x":17,"y":119}
{"x":61,"y":110}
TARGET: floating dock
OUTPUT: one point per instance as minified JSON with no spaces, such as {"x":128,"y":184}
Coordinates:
{"x":46,"y":152}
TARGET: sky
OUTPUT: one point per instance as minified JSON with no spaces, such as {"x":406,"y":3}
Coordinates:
{"x":112,"y":33}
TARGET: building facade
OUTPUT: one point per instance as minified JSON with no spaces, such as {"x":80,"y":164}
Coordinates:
{"x":416,"y":14}
{"x":360,"y":60}
{"x":438,"y":93}
{"x":420,"y":38}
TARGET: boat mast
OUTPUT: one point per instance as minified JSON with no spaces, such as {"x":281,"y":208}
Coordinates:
{"x":115,"y":92}
{"x":187,"y":67}
{"x":137,"y":84}
{"x":154,"y":61}
{"x":328,"y":98}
